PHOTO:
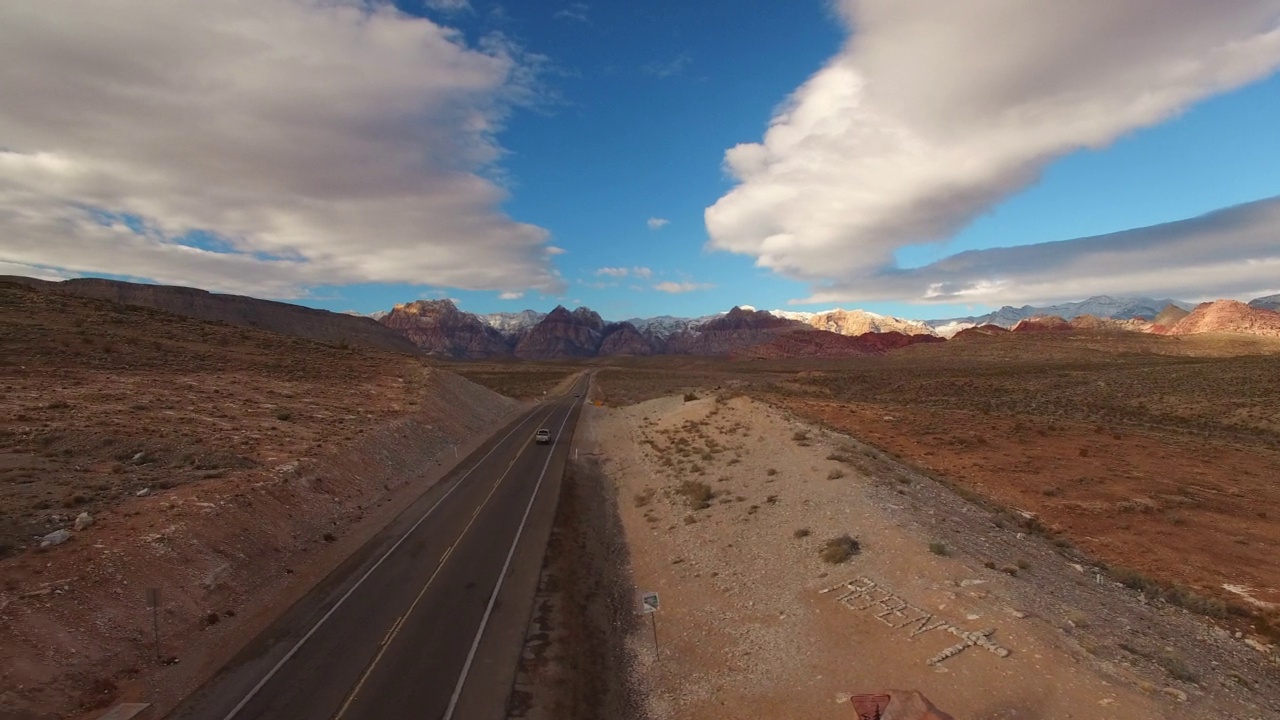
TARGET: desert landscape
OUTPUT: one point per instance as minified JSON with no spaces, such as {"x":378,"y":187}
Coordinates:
{"x":1057,"y":521}
{"x":227,"y":467}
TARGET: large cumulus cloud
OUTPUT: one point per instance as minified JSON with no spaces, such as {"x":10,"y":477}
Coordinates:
{"x":258,"y":146}
{"x":933,"y":112}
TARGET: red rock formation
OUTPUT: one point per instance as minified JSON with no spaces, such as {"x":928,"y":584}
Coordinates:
{"x":980,"y":332}
{"x":886,"y":341}
{"x":438,"y":327}
{"x":824,"y":344}
{"x":563,"y":334}
{"x":1045,"y":323}
{"x":1167,"y":319}
{"x":1229,"y":316}
{"x":624,"y":339}
{"x":731,"y":332}
{"x":802,"y":344}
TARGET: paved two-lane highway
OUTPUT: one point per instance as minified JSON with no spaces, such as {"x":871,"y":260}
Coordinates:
{"x":427,"y":620}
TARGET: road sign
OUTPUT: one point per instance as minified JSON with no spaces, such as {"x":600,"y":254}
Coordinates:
{"x":649,"y":602}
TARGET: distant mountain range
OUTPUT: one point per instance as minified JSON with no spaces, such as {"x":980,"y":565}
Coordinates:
{"x":1099,"y":306}
{"x":438,"y":327}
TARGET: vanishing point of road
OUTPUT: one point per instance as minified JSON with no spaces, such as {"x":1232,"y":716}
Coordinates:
{"x":427,"y":619}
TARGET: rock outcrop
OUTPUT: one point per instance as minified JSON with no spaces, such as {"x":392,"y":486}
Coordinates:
{"x":563,"y":334}
{"x":858,"y":322}
{"x":624,"y":339}
{"x":277,"y":317}
{"x":1042,"y":323}
{"x":438,"y":327}
{"x":1167,"y":319}
{"x":1229,"y":316}
{"x":735,"y":330}
{"x":980,"y":332}
{"x":825,"y":344}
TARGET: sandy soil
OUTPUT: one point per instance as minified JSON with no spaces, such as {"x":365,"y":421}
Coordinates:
{"x":746,"y":629}
{"x":229,"y":468}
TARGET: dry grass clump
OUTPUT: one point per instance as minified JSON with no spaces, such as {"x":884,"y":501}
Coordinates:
{"x":839,"y":549}
{"x":697,"y":493}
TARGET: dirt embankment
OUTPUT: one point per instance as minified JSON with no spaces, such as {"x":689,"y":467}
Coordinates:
{"x":575,"y":664}
{"x":797,"y":566}
{"x":230,"y":469}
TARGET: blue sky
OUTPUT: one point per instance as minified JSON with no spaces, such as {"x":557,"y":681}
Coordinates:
{"x":511,"y":155}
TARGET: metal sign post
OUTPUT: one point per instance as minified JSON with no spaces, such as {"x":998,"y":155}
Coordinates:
{"x":649,"y":606}
{"x":153,"y":601}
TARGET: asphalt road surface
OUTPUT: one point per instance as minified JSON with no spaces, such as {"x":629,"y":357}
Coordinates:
{"x":427,"y":620}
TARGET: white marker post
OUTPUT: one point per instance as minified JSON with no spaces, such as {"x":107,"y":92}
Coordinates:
{"x":649,"y":606}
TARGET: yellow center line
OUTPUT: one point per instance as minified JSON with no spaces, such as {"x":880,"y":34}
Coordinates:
{"x":399,"y":623}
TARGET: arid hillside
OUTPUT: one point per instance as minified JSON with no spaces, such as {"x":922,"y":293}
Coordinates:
{"x":1155,"y":455}
{"x":230,"y":468}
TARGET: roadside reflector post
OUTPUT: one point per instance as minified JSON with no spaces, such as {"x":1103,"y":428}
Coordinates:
{"x":153,"y":602}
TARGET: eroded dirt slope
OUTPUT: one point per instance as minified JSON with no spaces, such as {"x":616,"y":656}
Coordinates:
{"x":230,"y":468}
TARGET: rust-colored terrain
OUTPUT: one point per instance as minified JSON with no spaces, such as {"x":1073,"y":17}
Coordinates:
{"x":229,"y":467}
{"x":1158,"y":456}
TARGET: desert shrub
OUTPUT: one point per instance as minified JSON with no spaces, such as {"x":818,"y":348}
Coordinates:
{"x":284,"y":415}
{"x":840,"y":549}
{"x":801,"y":533}
{"x":644,"y":498}
{"x":1023,"y":564}
{"x":835,"y":474}
{"x":938,"y":548}
{"x":697,"y":493}
{"x":771,"y":472}
{"x":800,"y":435}
{"x":690,"y":397}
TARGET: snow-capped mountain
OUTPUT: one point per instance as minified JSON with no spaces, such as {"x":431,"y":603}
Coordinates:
{"x":1102,"y":306}
{"x":665,"y":326}
{"x":512,"y":322}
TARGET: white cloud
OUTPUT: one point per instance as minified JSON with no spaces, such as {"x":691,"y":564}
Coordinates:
{"x":670,"y":68}
{"x":34,"y":271}
{"x":642,"y":272}
{"x":613,"y":271}
{"x":656,"y":223}
{"x":306,"y":143}
{"x":574,"y":11}
{"x":1231,"y":253}
{"x":553,"y":250}
{"x":511,"y":296}
{"x":933,"y":112}
{"x":667,"y":286}
{"x":449,"y":6}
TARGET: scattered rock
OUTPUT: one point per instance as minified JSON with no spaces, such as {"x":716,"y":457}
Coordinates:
{"x":139,"y":459}
{"x":1174,"y":693}
{"x":57,"y":537}
{"x":143,"y":492}
{"x":83,"y":521}
{"x":1260,"y":647}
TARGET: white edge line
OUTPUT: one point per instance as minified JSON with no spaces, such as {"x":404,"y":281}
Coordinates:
{"x":493,"y":599}
{"x":292,"y":651}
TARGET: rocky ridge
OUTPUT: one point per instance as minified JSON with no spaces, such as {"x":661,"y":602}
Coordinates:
{"x":1228,"y":316}
{"x":239,"y":310}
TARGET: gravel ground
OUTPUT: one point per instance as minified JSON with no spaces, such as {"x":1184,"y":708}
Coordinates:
{"x":728,"y":506}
